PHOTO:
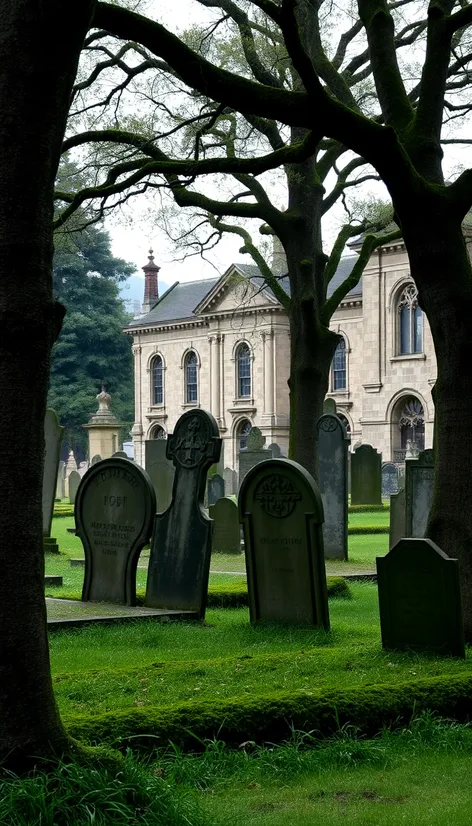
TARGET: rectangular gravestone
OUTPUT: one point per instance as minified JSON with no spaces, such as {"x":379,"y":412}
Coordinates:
{"x":419,"y":599}
{"x":397,"y":518}
{"x":160,"y":470}
{"x":366,"y":476}
{"x":333,"y":444}
{"x":274,"y":450}
{"x":282,"y":515}
{"x":179,"y":564}
{"x":389,"y":479}
{"x":114,"y":515}
{"x":419,"y":483}
{"x":329,"y":406}
{"x":226,"y":527}
{"x":74,"y":482}
{"x":253,"y":453}
{"x":231,"y":481}
{"x":53,"y":435}
{"x":215,"y":488}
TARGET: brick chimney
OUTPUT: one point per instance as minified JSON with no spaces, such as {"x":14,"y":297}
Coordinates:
{"x":151,"y":289}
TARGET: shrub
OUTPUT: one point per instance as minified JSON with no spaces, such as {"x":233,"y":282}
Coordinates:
{"x":368,"y":508}
{"x":358,"y":530}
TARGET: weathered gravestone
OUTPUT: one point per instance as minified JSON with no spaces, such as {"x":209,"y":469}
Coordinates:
{"x":226,"y":528}
{"x":215,"y":488}
{"x":253,"y":453}
{"x":231,"y":481}
{"x":160,"y":470}
{"x":95,"y":459}
{"x":419,"y":599}
{"x":114,"y":515}
{"x":282,"y":515}
{"x":74,"y":482}
{"x":329,"y":406}
{"x":397,"y":518}
{"x":120,"y":454}
{"x":53,"y":435}
{"x":274,"y":450}
{"x":61,"y":480}
{"x":390,"y":478}
{"x":366,"y":476}
{"x":179,"y":564}
{"x":419,"y":482}
{"x":333,"y":444}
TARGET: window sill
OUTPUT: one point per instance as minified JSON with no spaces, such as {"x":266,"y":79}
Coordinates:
{"x":409,"y":357}
{"x":243,"y":401}
{"x":190,"y":405}
{"x":332,"y":393}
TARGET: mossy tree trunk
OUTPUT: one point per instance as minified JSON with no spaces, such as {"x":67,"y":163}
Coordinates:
{"x":39,"y":51}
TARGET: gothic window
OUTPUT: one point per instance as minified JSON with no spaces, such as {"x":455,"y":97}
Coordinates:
{"x":411,"y":424}
{"x":243,"y":366}
{"x":243,"y":430}
{"x":339,"y":374}
{"x":158,"y":432}
{"x":410,"y":322}
{"x":191,"y":379}
{"x":157,"y":374}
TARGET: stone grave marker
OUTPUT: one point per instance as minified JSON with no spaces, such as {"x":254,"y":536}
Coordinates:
{"x":329,"y":406}
{"x":389,"y":479}
{"x":61,"y":480}
{"x":254,"y":452}
{"x":95,"y":459}
{"x":160,"y":470}
{"x":333,"y":445}
{"x":419,"y":599}
{"x":274,"y":450}
{"x":366,"y":476}
{"x":120,"y":454}
{"x":397,"y":518}
{"x":226,"y":528}
{"x":231,"y":481}
{"x":114,"y":515}
{"x":179,"y":564}
{"x":215,"y":488}
{"x":53,"y":435}
{"x":419,"y":482}
{"x":282,"y":514}
{"x":74,"y":482}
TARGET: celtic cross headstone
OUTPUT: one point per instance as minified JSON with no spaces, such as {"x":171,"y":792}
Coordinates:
{"x":333,"y":444}
{"x":179,"y":564}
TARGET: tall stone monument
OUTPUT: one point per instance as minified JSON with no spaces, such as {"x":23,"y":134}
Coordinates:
{"x":419,"y":482}
{"x":366,"y":476}
{"x":179,"y":564}
{"x":53,"y":435}
{"x":103,"y":428}
{"x":333,"y":445}
{"x":160,"y":470}
{"x":253,"y":453}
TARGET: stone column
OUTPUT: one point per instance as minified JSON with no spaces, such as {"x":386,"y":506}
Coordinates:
{"x":268,"y":362}
{"x":215,"y":375}
{"x":137,"y":430}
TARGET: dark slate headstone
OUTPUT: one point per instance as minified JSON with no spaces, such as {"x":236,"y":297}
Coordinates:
{"x":160,"y":470}
{"x":215,"y":488}
{"x":366,"y":476}
{"x":397,"y":518}
{"x":253,"y":453}
{"x":53,"y":435}
{"x":95,"y":459}
{"x":114,"y":514}
{"x":179,"y":564}
{"x":231,"y":481}
{"x":275,"y":450}
{"x":329,"y":406}
{"x":419,"y":599}
{"x":282,"y":515}
{"x":389,"y":479}
{"x":333,"y":445}
{"x":226,"y":528}
{"x":74,"y":482}
{"x":419,"y":483}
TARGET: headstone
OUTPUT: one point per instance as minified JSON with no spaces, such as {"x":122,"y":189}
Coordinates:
{"x":160,"y":470}
{"x":121,"y":454}
{"x":253,"y":453}
{"x":60,"y":480}
{"x":83,"y":468}
{"x":333,"y":445}
{"x":114,"y":514}
{"x":226,"y":528}
{"x":215,"y":488}
{"x":397,"y":518}
{"x":389,"y":479}
{"x":179,"y":564}
{"x":419,"y":482}
{"x":53,"y":434}
{"x":282,"y":515}
{"x":231,"y":481}
{"x":366,"y":476}
{"x":329,"y":406}
{"x":275,"y":450}
{"x":95,"y":459}
{"x":74,"y":482}
{"x":419,"y":599}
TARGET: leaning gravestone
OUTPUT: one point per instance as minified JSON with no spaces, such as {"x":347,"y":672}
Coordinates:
{"x":231,"y":481}
{"x":282,"y":515}
{"x":215,"y":488}
{"x":53,"y":435}
{"x":333,"y":445}
{"x":74,"y":482}
{"x":366,"y":476}
{"x":397,"y":518}
{"x":419,"y":599}
{"x":253,"y":453}
{"x":226,"y":528}
{"x":419,"y":481}
{"x":114,"y":514}
{"x":179,"y":565}
{"x":160,"y":470}
{"x":95,"y":459}
{"x":389,"y":479}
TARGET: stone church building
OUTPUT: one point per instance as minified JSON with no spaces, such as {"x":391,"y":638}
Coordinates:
{"x":223,"y":344}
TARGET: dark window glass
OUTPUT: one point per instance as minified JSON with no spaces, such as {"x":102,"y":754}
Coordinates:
{"x":244,"y":429}
{"x":410,"y":322}
{"x":418,"y":330}
{"x":157,"y":381}
{"x":243,"y":360}
{"x":191,"y":384}
{"x":339,"y":367}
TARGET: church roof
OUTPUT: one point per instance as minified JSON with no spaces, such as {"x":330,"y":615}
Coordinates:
{"x":179,"y":302}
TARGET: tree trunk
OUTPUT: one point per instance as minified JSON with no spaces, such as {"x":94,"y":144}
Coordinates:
{"x":39,"y":51}
{"x":441,"y":268}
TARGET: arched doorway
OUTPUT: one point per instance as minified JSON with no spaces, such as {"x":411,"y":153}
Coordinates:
{"x":407,"y":427}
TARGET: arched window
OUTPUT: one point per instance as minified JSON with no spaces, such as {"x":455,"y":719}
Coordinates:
{"x":243,"y":429}
{"x":410,"y":322}
{"x":339,"y":374}
{"x":158,"y":432}
{"x":157,"y":374}
{"x":191,"y":378}
{"x":412,"y":424}
{"x":243,"y":366}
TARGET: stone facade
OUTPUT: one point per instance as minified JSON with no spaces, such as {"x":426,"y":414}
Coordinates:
{"x":384,"y":393}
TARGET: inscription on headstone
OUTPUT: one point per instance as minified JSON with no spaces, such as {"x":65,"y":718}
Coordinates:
{"x":53,"y":435}
{"x":389,"y":479}
{"x":254,"y":452}
{"x":160,"y":470}
{"x":179,"y":564}
{"x":282,"y":515}
{"x":215,"y":488}
{"x":419,"y":483}
{"x":419,"y":599}
{"x":366,"y":476}
{"x":333,"y":444}
{"x":114,"y":514}
{"x":74,"y":482}
{"x":226,"y":528}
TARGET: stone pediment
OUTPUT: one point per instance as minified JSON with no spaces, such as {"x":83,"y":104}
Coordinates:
{"x":235,"y":292}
